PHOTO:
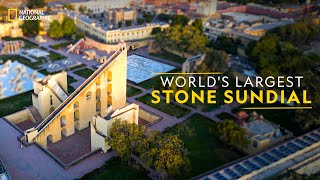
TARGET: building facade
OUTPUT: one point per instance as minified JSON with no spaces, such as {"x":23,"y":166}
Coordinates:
{"x":107,"y":35}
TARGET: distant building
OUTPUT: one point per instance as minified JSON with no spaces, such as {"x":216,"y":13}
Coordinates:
{"x":12,"y":4}
{"x":108,"y":35}
{"x":11,"y":47}
{"x":11,"y":29}
{"x":99,"y":6}
{"x":116,"y":16}
{"x":207,"y":8}
{"x":243,"y":26}
{"x":260,"y":132}
{"x":191,"y":63}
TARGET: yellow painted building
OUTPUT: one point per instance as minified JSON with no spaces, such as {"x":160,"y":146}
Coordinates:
{"x":97,"y":102}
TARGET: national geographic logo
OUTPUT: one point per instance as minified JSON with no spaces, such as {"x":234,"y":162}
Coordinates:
{"x":26,"y":15}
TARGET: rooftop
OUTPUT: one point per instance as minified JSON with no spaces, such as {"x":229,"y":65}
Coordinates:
{"x":261,"y":127}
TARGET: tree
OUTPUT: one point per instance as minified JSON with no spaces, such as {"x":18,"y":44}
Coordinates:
{"x":36,"y":3}
{"x":80,"y":35}
{"x":215,"y":61}
{"x":69,"y":27}
{"x":268,"y":45}
{"x":124,"y":137}
{"x":166,"y":153}
{"x":140,"y":20}
{"x":226,"y":44}
{"x":156,"y":30}
{"x":83,"y":9}
{"x":70,"y":7}
{"x":31,"y":27}
{"x":230,"y":133}
{"x":182,"y":38}
{"x":180,"y":20}
{"x":198,"y":24}
{"x":164,"y":17}
{"x":128,"y":22}
{"x":56,"y":31}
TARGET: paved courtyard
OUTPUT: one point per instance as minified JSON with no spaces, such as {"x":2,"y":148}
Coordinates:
{"x":72,"y":147}
{"x":33,"y":163}
{"x":27,"y":124}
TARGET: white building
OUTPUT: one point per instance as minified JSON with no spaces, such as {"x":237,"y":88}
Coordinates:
{"x":207,"y":8}
{"x":99,"y":6}
{"x":109,"y":35}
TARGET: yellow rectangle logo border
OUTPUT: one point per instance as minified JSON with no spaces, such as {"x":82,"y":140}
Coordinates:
{"x":9,"y":14}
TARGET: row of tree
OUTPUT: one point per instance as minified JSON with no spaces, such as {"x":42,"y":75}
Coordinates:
{"x":65,"y":29}
{"x":163,"y":152}
{"x":276,"y":54}
{"x":231,"y":134}
{"x":186,"y":38}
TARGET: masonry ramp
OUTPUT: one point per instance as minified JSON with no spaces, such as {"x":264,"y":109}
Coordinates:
{"x":57,"y":90}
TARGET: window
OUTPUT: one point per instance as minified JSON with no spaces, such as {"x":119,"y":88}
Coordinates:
{"x":88,"y":96}
{"x":51,"y":100}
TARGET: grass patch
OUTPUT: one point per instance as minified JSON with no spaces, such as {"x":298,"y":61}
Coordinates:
{"x":206,"y":152}
{"x":85,"y":73}
{"x":116,"y":169}
{"x":71,"y":79}
{"x":55,"y":56}
{"x":172,"y":109}
{"x":61,"y":45}
{"x":155,"y":81}
{"x":70,"y":89}
{"x":169,"y":56}
{"x":225,"y":116}
{"x":131,"y":91}
{"x":44,"y":72}
{"x":22,"y":60}
{"x":15,"y":103}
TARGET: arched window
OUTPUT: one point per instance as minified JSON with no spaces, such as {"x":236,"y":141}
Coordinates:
{"x":76,"y":115}
{"x":98,"y":93}
{"x":88,"y":96}
{"x":98,"y":106}
{"x":76,"y":105}
{"x":63,"y":121}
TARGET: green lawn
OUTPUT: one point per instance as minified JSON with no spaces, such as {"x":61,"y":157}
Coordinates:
{"x":131,"y":91}
{"x":172,"y":109}
{"x":84,"y":72}
{"x":71,"y":79}
{"x":55,"y":56}
{"x":114,"y":170}
{"x":21,"y":59}
{"x":15,"y":103}
{"x":225,"y":116}
{"x":206,"y":152}
{"x":280,"y":117}
{"x":70,"y":89}
{"x":169,"y":56}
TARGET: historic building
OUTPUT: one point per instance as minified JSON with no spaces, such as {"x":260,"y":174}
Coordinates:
{"x":109,"y":35}
{"x":97,"y":102}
